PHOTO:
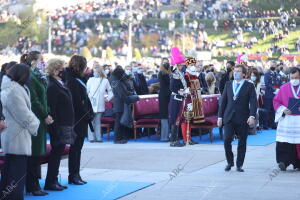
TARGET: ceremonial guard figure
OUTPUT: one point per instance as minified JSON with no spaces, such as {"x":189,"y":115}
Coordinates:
{"x":192,"y":111}
{"x":178,"y":88}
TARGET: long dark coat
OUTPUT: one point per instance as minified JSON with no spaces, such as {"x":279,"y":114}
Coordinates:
{"x":61,"y":109}
{"x":164,"y":95}
{"x":81,"y":103}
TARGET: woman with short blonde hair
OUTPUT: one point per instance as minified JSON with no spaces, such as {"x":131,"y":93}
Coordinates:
{"x":61,"y":131}
{"x":54,"y":65}
{"x":211,"y":83}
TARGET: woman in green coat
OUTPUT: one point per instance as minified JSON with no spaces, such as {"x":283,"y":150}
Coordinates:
{"x":38,"y":91}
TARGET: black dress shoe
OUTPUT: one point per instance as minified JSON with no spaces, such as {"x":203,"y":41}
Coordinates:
{"x":54,"y":187}
{"x":39,"y":193}
{"x":282,"y":166}
{"x":120,"y":142}
{"x":228,"y":168}
{"x":239,"y":169}
{"x":63,"y":186}
{"x":84,"y":182}
{"x":76,"y":181}
{"x":176,"y":144}
{"x":192,"y":142}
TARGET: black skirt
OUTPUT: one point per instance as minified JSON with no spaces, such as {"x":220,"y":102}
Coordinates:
{"x":286,"y":153}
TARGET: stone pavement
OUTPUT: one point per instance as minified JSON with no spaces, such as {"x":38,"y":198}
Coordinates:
{"x":189,"y":173}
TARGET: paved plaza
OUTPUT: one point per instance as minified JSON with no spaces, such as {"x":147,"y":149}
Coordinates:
{"x":188,"y":173}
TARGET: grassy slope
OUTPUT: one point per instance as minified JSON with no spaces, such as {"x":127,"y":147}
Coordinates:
{"x":262,"y":44}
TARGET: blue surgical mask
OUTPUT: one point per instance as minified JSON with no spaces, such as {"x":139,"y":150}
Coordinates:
{"x":134,"y":70}
{"x":253,"y":78}
{"x":237,"y":75}
{"x":96,"y":75}
{"x":127,"y":72}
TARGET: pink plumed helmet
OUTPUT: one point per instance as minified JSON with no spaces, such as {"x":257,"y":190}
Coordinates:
{"x":176,"y":56}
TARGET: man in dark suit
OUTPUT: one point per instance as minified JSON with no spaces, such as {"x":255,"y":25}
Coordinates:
{"x":237,"y":112}
{"x":273,"y":82}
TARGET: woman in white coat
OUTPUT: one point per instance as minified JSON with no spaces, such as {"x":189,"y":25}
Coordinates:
{"x":16,"y":138}
{"x":99,"y":91}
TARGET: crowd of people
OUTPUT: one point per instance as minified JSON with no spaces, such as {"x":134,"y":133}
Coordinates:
{"x":79,"y":26}
{"x":67,"y":101}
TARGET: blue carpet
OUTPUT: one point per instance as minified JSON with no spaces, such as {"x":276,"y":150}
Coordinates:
{"x":94,"y":190}
{"x":262,"y":138}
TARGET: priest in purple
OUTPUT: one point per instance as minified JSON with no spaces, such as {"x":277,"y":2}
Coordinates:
{"x":288,"y":129}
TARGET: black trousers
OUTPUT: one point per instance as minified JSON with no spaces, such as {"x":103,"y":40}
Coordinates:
{"x":33,"y":174}
{"x":75,"y":157}
{"x":287,"y":153}
{"x":119,"y":129}
{"x":270,"y":114}
{"x":13,"y":177}
{"x":174,"y":133}
{"x":241,"y":130}
{"x":54,"y":162}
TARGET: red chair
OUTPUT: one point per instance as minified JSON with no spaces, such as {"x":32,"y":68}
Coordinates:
{"x":145,"y":113}
{"x":107,"y":122}
{"x":45,"y":158}
{"x":298,"y":150}
{"x":210,"y":108}
{"x":1,"y":164}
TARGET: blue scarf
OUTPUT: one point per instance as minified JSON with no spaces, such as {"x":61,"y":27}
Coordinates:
{"x":41,"y":76}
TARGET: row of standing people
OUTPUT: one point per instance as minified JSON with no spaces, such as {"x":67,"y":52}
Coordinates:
{"x":33,"y":105}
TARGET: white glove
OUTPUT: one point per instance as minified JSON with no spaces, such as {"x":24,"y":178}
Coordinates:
{"x":181,"y":92}
{"x":187,"y":91}
{"x":276,"y":91}
{"x":190,"y":107}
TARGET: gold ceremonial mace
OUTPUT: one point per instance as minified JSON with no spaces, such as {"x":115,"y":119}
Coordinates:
{"x":188,"y":116}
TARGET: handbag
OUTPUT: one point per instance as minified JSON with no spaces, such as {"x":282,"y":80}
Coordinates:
{"x":133,"y":99}
{"x":126,"y":118}
{"x":66,"y":135}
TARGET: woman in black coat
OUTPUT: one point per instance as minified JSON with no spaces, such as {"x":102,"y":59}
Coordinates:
{"x":124,"y":95}
{"x":74,"y":76}
{"x":61,"y":130}
{"x":164,"y":98}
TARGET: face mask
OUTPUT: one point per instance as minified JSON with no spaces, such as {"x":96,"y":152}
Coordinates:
{"x":134,"y":70}
{"x":253,"y":78}
{"x":60,"y":74}
{"x":272,"y":68}
{"x":139,"y":71}
{"x":237,"y":75}
{"x":96,"y":74}
{"x":106,"y":71}
{"x":295,"y":82}
{"x":193,"y":68}
{"x":127,"y":72}
{"x":40,"y":65}
{"x":166,"y":66}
